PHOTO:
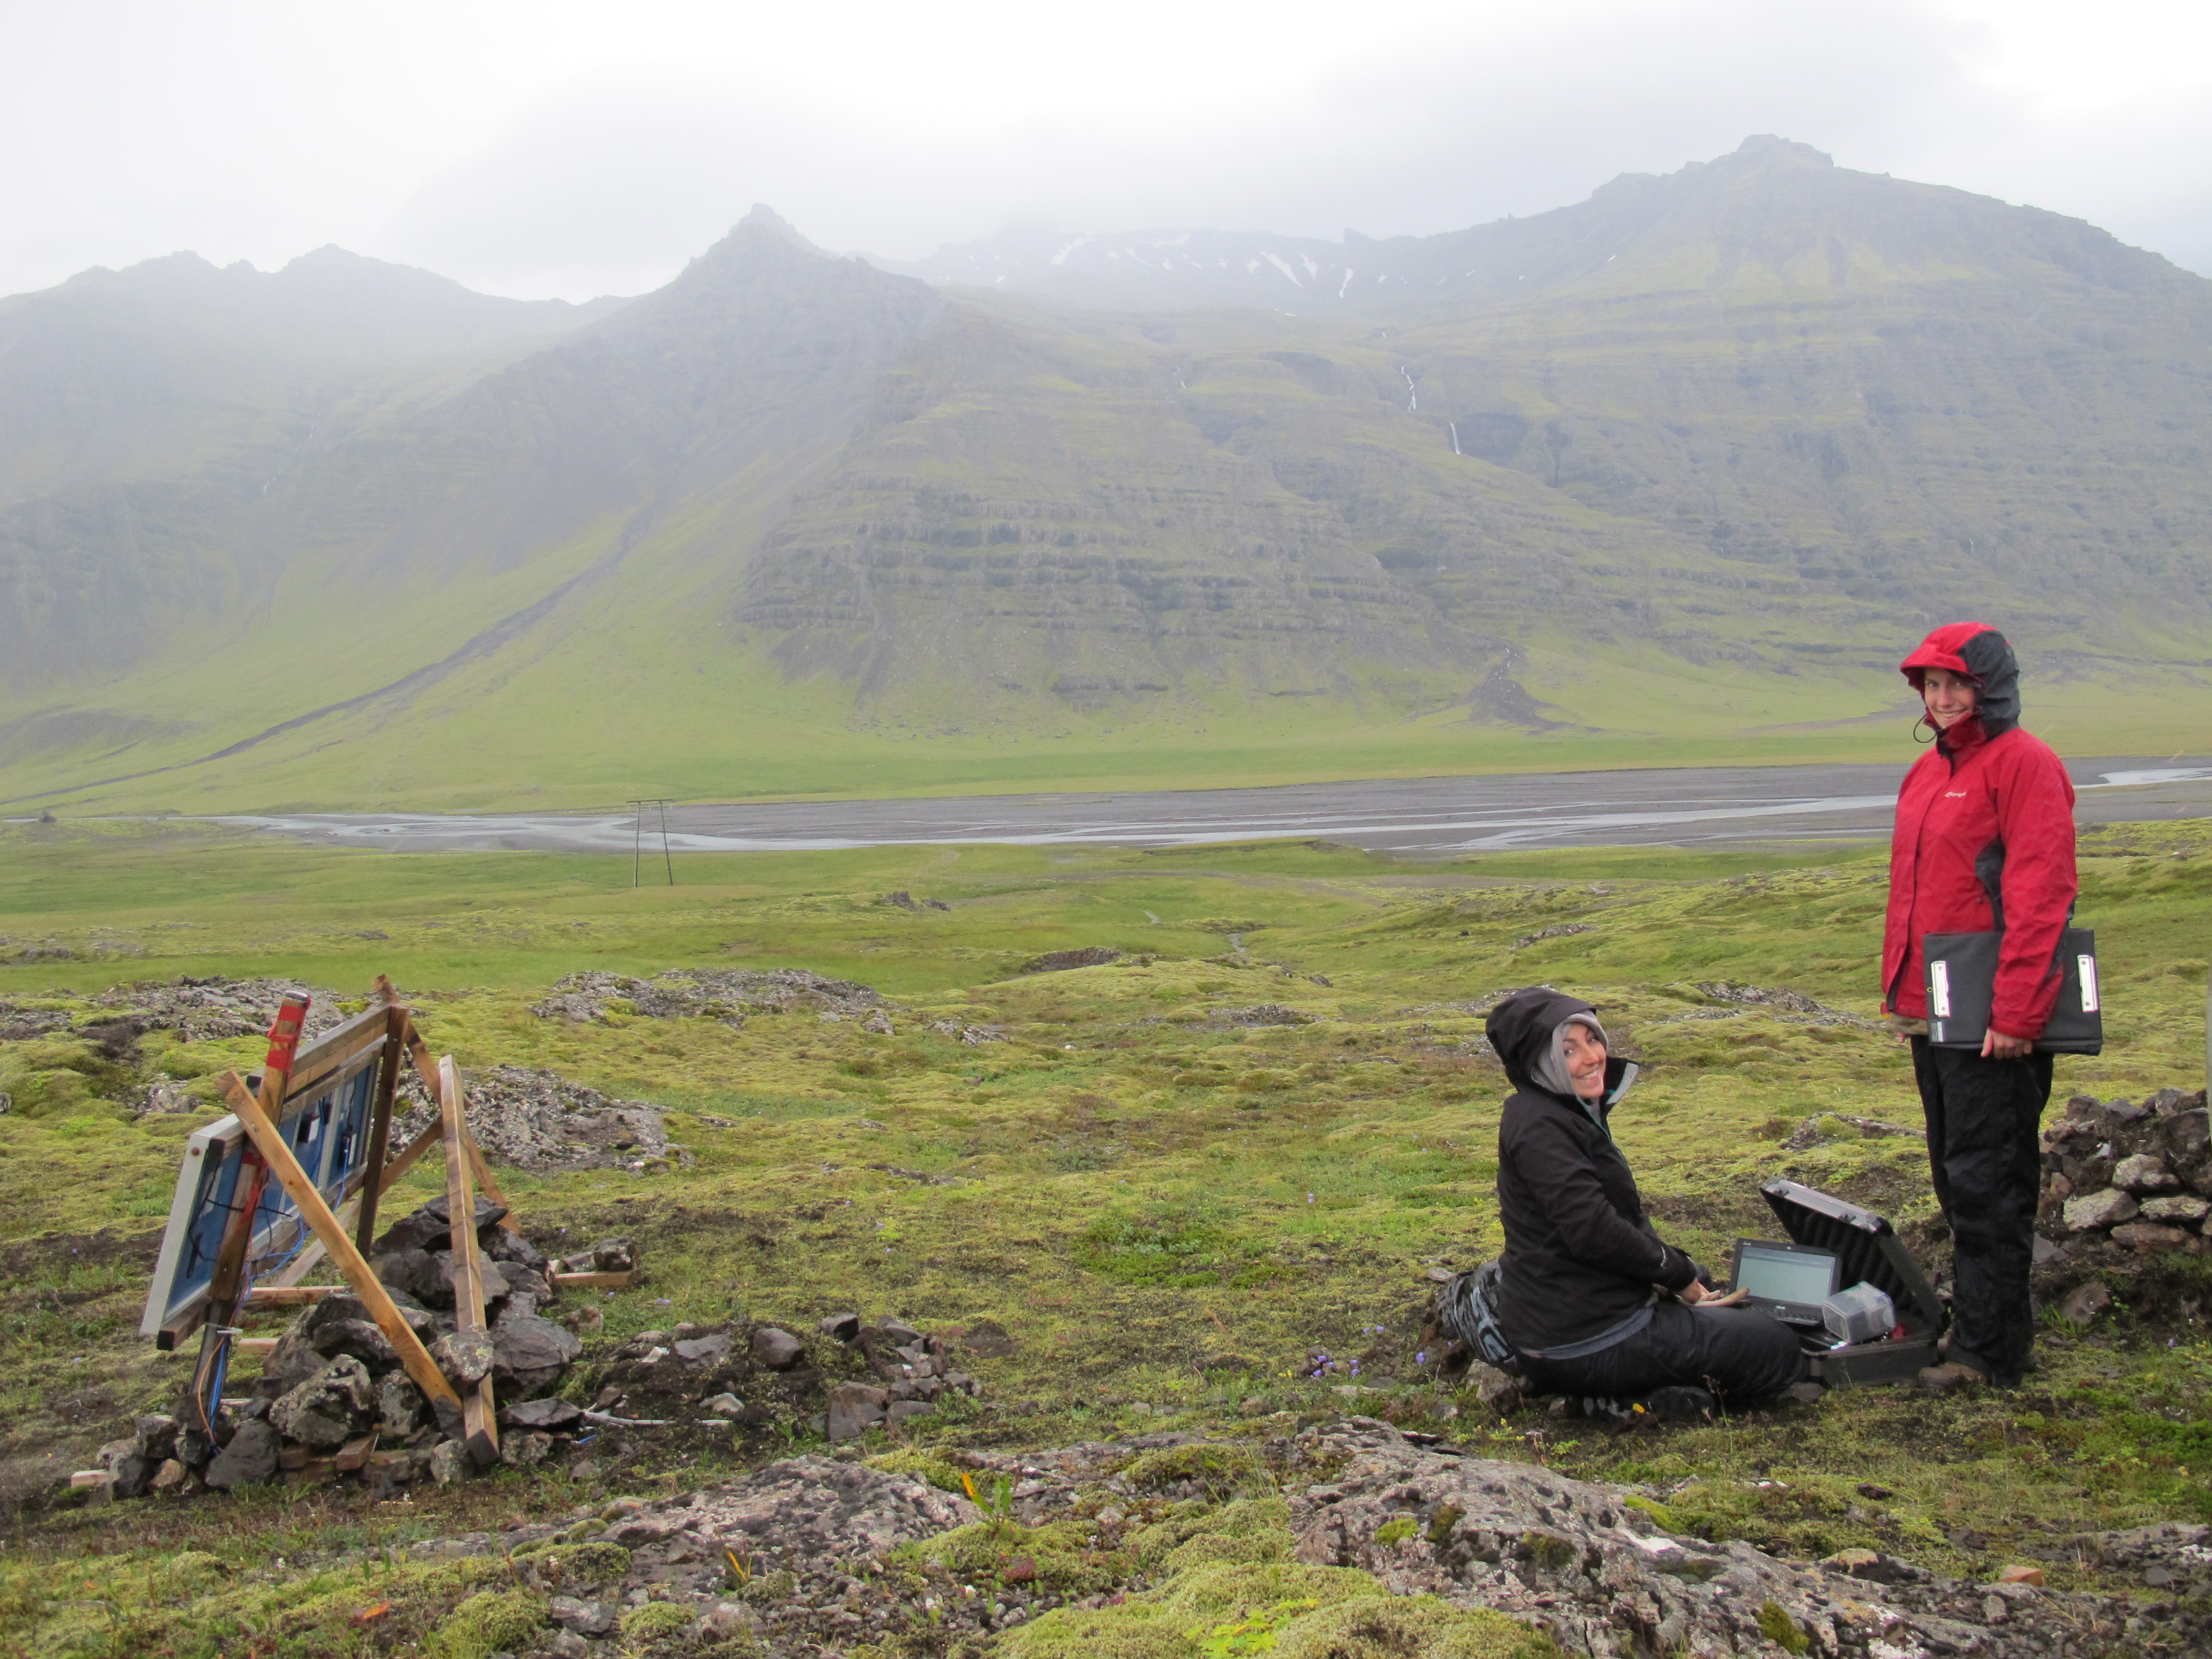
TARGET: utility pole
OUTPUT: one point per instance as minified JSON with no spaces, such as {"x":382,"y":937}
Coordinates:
{"x":637,"y":839}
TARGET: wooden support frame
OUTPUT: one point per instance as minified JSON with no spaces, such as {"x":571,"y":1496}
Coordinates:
{"x":379,"y":1121}
{"x":349,"y":1260}
{"x":479,"y":1409}
{"x":289,"y":1296}
{"x":430,"y":1070}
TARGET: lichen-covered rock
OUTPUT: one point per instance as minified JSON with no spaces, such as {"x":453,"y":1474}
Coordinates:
{"x":2176,"y":1209}
{"x":400,"y":1408}
{"x":466,"y":1356}
{"x":1598,"y":1574}
{"x":817,"y":1506}
{"x":2089,"y":1212}
{"x":329,"y":1408}
{"x":2144,"y":1172}
{"x":2149,"y":1235}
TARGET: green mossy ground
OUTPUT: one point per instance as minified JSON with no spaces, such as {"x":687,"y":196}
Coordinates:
{"x":1178,"y":1220}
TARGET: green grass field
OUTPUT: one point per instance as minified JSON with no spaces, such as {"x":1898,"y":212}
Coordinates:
{"x":1171,"y":1213}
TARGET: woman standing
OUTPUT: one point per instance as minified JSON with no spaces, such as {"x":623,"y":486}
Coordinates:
{"x":1989,"y":810}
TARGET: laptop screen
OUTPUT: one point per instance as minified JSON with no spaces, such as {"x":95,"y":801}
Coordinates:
{"x":1779,"y":1275}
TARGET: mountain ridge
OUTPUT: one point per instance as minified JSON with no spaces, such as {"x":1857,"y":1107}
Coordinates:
{"x":1672,"y":467}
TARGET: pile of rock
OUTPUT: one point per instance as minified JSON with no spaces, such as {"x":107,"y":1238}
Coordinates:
{"x":1264,"y":1013}
{"x":2136,"y":1177}
{"x":1790,"y":1002}
{"x":1059,"y":961}
{"x":913,"y":1371}
{"x":334,"y":1399}
{"x":540,"y":1120}
{"x":726,"y":994}
{"x":201,"y":1009}
{"x":1588,"y":1566}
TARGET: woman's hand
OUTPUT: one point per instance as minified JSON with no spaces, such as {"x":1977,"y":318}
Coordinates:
{"x":1996,"y":1045}
{"x":1692,"y":1293}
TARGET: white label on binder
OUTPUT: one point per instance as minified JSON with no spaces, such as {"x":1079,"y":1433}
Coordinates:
{"x":2088,"y":966}
{"x":1939,"y":973}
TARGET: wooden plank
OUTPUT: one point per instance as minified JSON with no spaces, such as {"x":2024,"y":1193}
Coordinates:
{"x":380,"y":1116}
{"x":479,"y":1410}
{"x":253,"y":1344}
{"x":289,"y":1296}
{"x":427,"y":1069}
{"x":355,"y":1453}
{"x":314,"y":1062}
{"x":620,"y":1281}
{"x":349,"y":1260}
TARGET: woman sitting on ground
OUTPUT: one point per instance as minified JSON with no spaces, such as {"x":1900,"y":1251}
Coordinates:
{"x":1593,"y":1301}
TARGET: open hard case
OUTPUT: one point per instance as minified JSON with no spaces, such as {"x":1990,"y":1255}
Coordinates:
{"x":1867,"y":1248}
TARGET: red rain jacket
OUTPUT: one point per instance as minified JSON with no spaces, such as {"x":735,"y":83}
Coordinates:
{"x":1988,"y":799}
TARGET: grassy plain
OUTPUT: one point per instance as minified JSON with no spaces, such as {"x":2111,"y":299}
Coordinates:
{"x":1183,"y":1218}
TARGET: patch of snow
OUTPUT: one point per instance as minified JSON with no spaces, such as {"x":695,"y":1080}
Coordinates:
{"x":1348,"y":275}
{"x":1283,"y":265}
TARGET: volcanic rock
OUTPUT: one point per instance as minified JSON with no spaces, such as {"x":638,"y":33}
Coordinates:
{"x":777,"y":1350}
{"x":2149,"y":1235}
{"x":250,"y":1459}
{"x":530,"y":1352}
{"x":329,"y":1408}
{"x":400,"y":1408}
{"x":2090,"y":1210}
{"x":466,"y":1356}
{"x":854,"y":1408}
{"x":2144,"y":1172}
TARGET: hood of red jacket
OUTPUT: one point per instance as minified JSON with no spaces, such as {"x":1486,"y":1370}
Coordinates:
{"x":1983,"y":656}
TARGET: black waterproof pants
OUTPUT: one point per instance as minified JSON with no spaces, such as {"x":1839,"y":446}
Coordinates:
{"x":1741,"y":1355}
{"x":1986,"y":1158}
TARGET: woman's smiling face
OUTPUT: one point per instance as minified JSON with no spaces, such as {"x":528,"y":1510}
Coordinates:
{"x":1950,"y":698}
{"x":1585,"y":1058}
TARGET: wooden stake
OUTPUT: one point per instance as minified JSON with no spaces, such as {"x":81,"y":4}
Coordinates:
{"x":479,"y":1410}
{"x":427,"y":1069}
{"x":349,"y":1260}
{"x":380,"y":1116}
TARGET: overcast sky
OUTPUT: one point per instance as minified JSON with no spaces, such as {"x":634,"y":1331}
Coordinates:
{"x":558,"y":149}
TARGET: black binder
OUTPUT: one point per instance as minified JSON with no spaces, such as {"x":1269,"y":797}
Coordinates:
{"x":1961,"y":981}
{"x":1960,"y":971}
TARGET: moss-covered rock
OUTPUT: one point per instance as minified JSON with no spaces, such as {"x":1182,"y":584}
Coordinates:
{"x":935,"y":1470}
{"x":1216,"y":1469}
{"x":564,"y":1569}
{"x":1058,"y":1557}
{"x":489,"y":1622}
{"x":646,"y":1627}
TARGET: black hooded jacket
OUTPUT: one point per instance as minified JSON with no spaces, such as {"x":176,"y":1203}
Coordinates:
{"x":1581,"y":1257}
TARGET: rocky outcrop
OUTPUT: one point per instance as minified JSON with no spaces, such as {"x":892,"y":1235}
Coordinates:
{"x":725,"y":994}
{"x":542,"y":1122}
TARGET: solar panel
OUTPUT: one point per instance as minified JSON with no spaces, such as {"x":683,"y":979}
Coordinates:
{"x":325,"y":1123}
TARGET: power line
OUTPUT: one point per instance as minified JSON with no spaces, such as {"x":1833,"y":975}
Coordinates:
{"x":637,"y":839}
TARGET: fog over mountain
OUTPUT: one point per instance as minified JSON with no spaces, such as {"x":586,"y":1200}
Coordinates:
{"x":1679,"y":464}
